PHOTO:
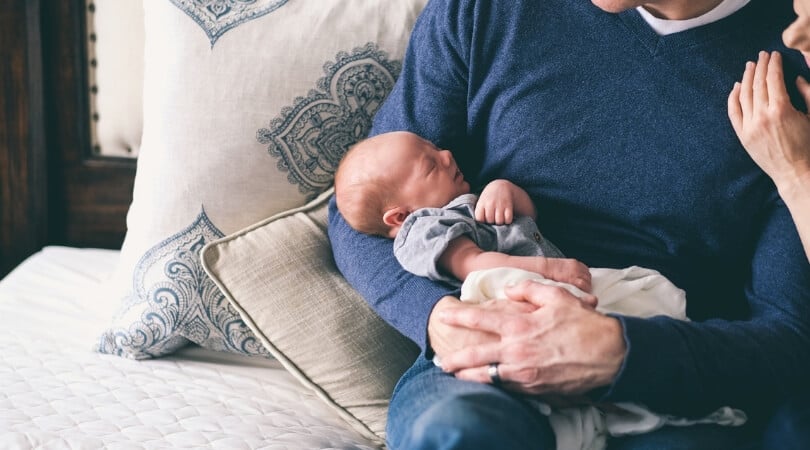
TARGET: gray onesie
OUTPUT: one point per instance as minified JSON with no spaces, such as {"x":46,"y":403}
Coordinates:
{"x":426,"y":232}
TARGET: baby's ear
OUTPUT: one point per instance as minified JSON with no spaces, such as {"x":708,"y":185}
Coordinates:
{"x":394,"y":217}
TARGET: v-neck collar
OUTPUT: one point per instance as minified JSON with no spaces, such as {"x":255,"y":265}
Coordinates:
{"x":657,"y":44}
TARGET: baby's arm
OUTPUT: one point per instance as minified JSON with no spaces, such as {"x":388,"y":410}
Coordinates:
{"x":501,"y":201}
{"x":463,"y":256}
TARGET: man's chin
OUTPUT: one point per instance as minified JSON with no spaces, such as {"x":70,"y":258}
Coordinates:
{"x":614,"y":6}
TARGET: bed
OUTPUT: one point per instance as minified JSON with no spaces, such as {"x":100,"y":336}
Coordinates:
{"x":183,"y":150}
{"x":59,"y":393}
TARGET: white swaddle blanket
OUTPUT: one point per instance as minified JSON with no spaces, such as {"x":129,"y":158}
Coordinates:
{"x":633,"y":291}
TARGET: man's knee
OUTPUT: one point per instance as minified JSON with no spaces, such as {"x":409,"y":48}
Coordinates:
{"x":789,"y":428}
{"x":478,"y":421}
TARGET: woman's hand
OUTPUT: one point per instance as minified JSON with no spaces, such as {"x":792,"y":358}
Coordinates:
{"x":562,"y":346}
{"x":775,"y":134}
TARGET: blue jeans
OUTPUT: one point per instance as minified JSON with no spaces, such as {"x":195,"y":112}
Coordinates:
{"x":432,"y":410}
{"x":789,"y":427}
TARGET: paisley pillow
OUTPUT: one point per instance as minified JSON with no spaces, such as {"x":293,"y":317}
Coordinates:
{"x":248,"y":107}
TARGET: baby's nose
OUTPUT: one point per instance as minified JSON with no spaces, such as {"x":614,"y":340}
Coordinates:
{"x":446,"y":157}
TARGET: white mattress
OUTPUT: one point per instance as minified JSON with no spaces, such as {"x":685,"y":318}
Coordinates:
{"x":55,"y":392}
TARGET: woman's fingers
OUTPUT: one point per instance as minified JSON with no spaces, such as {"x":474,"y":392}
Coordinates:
{"x":735,"y":113}
{"x":762,"y":88}
{"x":747,"y":90}
{"x":775,"y":79}
{"x":759,"y":81}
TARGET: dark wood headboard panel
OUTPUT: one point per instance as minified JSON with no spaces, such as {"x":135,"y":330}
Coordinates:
{"x":53,"y":191}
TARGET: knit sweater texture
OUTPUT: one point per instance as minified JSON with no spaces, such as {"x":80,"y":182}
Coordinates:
{"x":622,"y":139}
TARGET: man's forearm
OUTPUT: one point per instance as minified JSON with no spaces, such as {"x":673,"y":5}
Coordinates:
{"x":402,"y":299}
{"x":689,"y":368}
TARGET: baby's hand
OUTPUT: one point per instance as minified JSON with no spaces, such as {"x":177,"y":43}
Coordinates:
{"x":496,"y":204}
{"x":565,"y":270}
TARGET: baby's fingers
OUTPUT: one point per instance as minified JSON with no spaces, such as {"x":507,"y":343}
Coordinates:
{"x":508,"y":215}
{"x":480,"y":212}
{"x":582,"y":279}
{"x":502,"y":214}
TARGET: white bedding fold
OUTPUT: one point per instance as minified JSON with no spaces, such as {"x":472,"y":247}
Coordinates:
{"x":55,"y":392}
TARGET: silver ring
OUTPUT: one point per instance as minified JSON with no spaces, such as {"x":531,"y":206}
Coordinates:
{"x":492,"y":370}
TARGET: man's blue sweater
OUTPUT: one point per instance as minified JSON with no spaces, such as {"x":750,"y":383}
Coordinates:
{"x":622,"y":139}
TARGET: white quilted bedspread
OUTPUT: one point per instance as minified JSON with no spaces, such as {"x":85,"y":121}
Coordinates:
{"x":56,"y":393}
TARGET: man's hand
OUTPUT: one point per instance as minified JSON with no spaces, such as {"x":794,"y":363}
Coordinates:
{"x":445,"y":339}
{"x":501,"y":201}
{"x":562,"y":347}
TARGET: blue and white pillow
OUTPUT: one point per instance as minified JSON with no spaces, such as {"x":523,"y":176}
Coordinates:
{"x":248,"y":107}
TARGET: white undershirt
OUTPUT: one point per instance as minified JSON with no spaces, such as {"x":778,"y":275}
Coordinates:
{"x":664,"y":27}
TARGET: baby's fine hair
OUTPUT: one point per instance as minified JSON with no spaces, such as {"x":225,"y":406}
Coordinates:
{"x":362,"y":196}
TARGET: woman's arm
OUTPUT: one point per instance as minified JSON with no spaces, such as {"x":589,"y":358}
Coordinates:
{"x":775,"y":134}
{"x":796,"y":194}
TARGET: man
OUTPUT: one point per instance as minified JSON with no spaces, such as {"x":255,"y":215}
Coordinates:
{"x":612,"y":116}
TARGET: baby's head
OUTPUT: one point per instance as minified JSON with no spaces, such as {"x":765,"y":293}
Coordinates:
{"x":384,"y":178}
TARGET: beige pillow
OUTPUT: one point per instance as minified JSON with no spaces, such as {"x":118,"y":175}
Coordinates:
{"x":248,"y":107}
{"x":279,"y":274}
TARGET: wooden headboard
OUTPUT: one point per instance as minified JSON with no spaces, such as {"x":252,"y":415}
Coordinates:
{"x":53,"y":190}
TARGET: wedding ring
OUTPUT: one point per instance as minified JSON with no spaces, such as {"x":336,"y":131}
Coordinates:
{"x":493,"y":374}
